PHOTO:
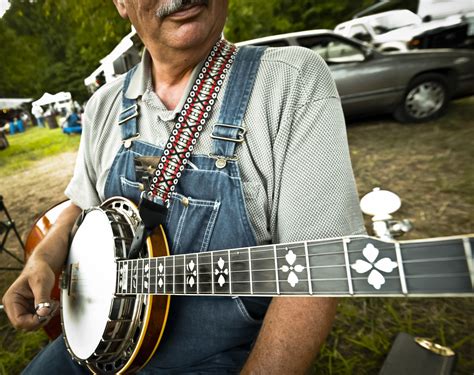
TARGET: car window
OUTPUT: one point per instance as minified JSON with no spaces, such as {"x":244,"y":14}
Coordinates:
{"x":333,"y":50}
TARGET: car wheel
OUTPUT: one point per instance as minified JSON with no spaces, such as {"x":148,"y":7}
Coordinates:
{"x":425,"y":99}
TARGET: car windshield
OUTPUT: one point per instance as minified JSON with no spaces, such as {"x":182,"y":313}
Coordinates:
{"x":393,"y":21}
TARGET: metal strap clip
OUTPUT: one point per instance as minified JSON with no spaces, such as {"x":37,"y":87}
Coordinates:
{"x":241,"y":134}
{"x":127,"y":143}
{"x":134,"y":114}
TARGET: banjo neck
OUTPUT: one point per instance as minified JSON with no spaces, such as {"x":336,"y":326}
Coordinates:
{"x":357,"y":266}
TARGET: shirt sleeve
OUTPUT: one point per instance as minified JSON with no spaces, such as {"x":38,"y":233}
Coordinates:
{"x":317,"y":195}
{"x":82,"y":187}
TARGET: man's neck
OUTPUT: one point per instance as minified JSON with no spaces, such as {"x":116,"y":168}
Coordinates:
{"x":171,"y":71}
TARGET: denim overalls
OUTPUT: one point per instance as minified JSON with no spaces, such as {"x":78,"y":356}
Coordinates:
{"x":207,"y":212}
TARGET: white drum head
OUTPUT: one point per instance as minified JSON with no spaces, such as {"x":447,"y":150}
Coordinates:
{"x":85,"y":311}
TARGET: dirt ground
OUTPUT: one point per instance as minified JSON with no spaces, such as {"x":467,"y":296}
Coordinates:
{"x":40,"y":190}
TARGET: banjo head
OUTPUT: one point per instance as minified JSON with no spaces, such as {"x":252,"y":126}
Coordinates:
{"x":92,"y":276}
{"x":101,"y":328}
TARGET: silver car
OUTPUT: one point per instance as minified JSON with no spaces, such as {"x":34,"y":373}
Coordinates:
{"x":414,"y":86}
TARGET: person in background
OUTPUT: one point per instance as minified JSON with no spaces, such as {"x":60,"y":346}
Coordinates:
{"x":16,"y":125}
{"x":39,"y":115}
{"x":3,"y":136}
{"x":73,"y":123}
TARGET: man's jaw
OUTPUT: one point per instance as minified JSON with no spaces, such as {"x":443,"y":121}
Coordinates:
{"x":173,"y":6}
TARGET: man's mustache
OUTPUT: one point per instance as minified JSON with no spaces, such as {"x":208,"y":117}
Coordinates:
{"x":174,"y":6}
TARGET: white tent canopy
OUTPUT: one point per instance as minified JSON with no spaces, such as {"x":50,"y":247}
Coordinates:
{"x":48,"y":98}
{"x":7,"y":103}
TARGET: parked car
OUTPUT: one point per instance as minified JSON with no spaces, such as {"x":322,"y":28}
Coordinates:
{"x":395,"y":30}
{"x":415,"y":86}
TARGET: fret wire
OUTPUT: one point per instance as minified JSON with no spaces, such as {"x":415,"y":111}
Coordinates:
{"x":156,"y":276}
{"x":470,"y":261}
{"x":184,"y":276}
{"x":250,"y":272}
{"x":143,"y":275}
{"x":230,"y":272}
{"x":197,"y":275}
{"x":165,"y":287}
{"x":174,"y":274}
{"x":133,"y":275}
{"x":212,"y":272}
{"x":345,"y":241}
{"x":308,"y":271}
{"x":137,"y":270}
{"x":129,"y":277}
{"x":401,"y":269}
{"x":276,"y":269}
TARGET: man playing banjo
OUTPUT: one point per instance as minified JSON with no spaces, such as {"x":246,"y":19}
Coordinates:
{"x":270,"y":165}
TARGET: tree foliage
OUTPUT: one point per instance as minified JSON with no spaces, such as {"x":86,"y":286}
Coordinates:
{"x":52,"y":45}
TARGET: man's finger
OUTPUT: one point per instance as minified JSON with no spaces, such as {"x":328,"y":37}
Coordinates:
{"x":41,"y":285}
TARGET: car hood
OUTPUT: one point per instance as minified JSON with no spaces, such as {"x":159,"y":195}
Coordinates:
{"x":408,"y":32}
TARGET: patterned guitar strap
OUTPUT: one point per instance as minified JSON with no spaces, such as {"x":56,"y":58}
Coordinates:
{"x":154,"y":202}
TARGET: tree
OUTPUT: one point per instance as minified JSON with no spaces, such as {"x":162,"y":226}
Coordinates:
{"x":52,"y":46}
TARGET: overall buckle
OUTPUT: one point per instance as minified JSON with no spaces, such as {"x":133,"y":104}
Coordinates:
{"x":240,"y":135}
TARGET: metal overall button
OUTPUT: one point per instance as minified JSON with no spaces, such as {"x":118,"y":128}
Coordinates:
{"x":185,"y":201}
{"x":221,"y":163}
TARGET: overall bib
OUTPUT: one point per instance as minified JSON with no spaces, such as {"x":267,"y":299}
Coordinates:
{"x":207,"y":212}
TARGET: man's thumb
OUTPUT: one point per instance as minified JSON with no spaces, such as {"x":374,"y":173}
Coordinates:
{"x":41,"y":287}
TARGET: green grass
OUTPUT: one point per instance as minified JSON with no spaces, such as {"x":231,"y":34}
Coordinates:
{"x":21,"y":350}
{"x":34,"y":144}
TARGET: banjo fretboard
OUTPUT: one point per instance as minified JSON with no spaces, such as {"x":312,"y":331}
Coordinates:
{"x":355,"y":266}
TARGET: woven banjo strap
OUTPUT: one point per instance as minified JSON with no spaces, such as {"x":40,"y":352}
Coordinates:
{"x":191,"y":121}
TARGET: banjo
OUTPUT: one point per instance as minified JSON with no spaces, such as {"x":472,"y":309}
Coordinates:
{"x":122,"y":304}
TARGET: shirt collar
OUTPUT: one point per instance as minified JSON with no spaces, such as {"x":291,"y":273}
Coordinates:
{"x":141,"y":86}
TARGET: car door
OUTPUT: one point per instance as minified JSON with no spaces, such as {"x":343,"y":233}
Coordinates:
{"x":367,"y":81}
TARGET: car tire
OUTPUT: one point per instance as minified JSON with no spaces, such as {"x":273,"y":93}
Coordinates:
{"x":425,"y":99}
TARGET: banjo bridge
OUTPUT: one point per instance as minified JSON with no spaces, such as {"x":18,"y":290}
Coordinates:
{"x":69,"y":278}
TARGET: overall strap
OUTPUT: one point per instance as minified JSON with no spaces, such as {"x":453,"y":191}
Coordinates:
{"x":228,"y":131}
{"x":128,"y":115}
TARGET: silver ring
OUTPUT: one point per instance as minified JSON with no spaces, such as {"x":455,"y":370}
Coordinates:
{"x":42,"y":305}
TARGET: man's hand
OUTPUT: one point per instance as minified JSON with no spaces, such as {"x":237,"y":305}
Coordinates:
{"x":28,"y":301}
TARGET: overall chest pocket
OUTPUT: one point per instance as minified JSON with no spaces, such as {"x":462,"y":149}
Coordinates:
{"x":190,"y":223}
{"x":130,"y":189}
